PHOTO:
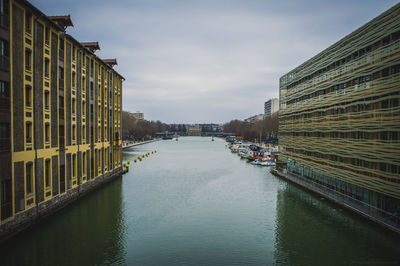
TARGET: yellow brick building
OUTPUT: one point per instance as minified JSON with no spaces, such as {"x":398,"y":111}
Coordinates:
{"x":60,"y":120}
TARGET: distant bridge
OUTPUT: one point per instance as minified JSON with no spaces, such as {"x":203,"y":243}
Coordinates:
{"x":215,"y":134}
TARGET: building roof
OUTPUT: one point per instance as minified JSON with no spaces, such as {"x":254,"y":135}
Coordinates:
{"x":92,"y":46}
{"x":63,"y":21}
{"x":111,"y":62}
{"x":90,"y":51}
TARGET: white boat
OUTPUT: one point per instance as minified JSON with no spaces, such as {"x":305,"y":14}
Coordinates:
{"x":263,"y":162}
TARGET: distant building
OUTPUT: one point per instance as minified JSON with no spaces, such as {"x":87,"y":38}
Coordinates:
{"x":210,"y":127}
{"x":271,"y":106}
{"x":194,"y":131}
{"x":255,"y":118}
{"x":138,"y":115}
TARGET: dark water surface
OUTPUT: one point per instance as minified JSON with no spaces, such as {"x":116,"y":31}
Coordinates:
{"x":196,"y":203}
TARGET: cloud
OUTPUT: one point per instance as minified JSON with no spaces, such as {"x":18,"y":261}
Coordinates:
{"x":203,"y":61}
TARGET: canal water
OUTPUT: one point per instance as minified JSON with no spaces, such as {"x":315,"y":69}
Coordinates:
{"x":195,"y":203}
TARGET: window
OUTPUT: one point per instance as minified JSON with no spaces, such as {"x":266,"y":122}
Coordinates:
{"x":47,"y":100}
{"x":91,"y":90}
{"x":47,"y":175}
{"x":28,"y":60}
{"x":6,"y":199}
{"x":4,"y":50}
{"x":73,"y":132}
{"x":83,"y":108}
{"x":28,"y":133}
{"x":100,"y":155}
{"x":47,"y":132}
{"x":61,"y":73}
{"x":91,"y":68}
{"x":83,"y":132}
{"x":28,"y":23}
{"x":385,"y":72}
{"x":47,"y":68}
{"x":83,"y":84}
{"x":47,"y":36}
{"x":61,"y":101}
{"x":28,"y":178}
{"x":28,"y":96}
{"x":74,"y":165}
{"x":4,"y":89}
{"x":73,"y":79}
{"x":84,"y":163}
{"x":386,"y":41}
{"x":4,"y":7}
{"x":73,"y":53}
{"x":73,"y":103}
{"x":4,"y":130}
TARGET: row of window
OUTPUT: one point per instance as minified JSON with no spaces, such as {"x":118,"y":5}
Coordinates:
{"x":29,"y":182}
{"x":28,"y":63}
{"x":384,"y":167}
{"x":354,"y":56}
{"x":29,"y":97}
{"x":339,"y":89}
{"x":73,"y":131}
{"x":371,"y":198}
{"x":337,"y":110}
{"x":361,"y":135}
{"x":28,"y":133}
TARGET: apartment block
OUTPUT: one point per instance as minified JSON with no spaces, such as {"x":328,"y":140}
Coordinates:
{"x":339,"y":121}
{"x":60,"y":115}
{"x":271,"y":106}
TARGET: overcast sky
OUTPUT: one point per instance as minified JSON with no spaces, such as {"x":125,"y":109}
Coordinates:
{"x":200,"y":61}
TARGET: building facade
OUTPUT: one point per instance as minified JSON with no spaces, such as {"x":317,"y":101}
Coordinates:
{"x":138,"y":115}
{"x":193,"y":130}
{"x":271,"y":106}
{"x":60,"y":115}
{"x":339,"y":121}
{"x":255,"y":118}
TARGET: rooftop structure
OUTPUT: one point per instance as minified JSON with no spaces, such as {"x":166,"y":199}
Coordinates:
{"x":92,"y":46}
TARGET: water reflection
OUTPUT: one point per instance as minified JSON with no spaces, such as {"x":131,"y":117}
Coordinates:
{"x":311,"y":231}
{"x":196,"y":203}
{"x":89,"y":232}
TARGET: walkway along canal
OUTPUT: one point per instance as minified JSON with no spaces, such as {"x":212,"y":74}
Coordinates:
{"x":195,"y":203}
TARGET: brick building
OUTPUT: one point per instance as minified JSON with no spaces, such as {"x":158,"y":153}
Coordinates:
{"x":60,"y":115}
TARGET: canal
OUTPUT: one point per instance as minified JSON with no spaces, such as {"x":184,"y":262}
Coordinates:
{"x":195,"y":203}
